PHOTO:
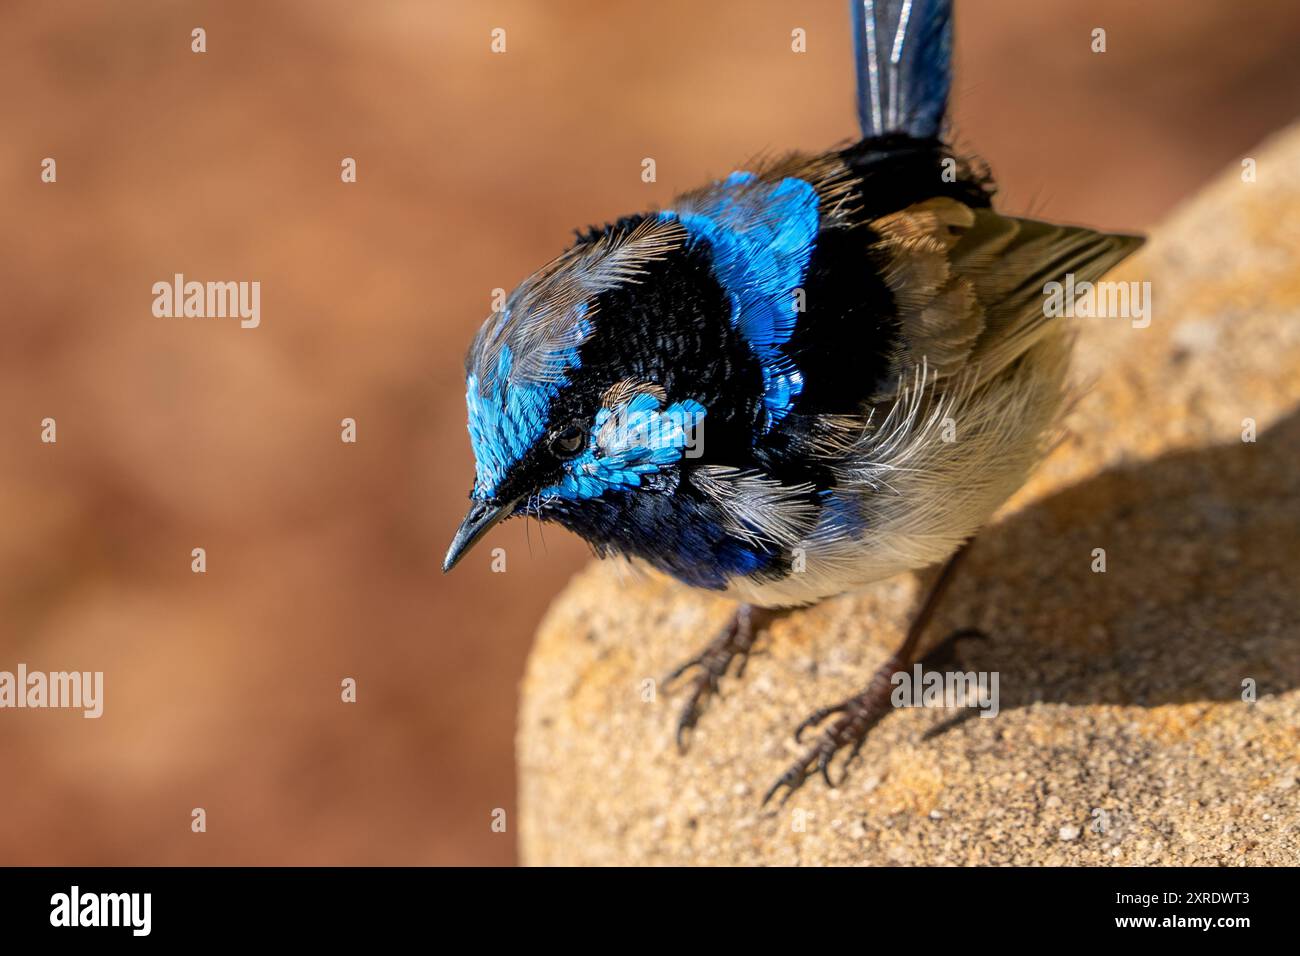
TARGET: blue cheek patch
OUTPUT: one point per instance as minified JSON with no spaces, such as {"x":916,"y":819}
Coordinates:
{"x":762,"y":237}
{"x":628,"y":444}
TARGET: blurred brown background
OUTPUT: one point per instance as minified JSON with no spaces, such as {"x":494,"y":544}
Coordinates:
{"x":222,"y":689}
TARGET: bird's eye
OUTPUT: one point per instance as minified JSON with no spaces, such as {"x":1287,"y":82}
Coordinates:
{"x":568,"y":441}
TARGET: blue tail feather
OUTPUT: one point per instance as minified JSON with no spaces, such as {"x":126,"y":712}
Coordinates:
{"x":903,"y":50}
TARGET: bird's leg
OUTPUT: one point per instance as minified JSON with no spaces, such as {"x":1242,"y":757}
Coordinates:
{"x":858,"y":714}
{"x":734,"y":641}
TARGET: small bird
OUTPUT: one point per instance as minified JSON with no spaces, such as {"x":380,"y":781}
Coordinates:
{"x":816,"y":373}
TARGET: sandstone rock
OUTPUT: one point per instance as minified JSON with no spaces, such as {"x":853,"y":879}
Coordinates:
{"x":1122,"y":737}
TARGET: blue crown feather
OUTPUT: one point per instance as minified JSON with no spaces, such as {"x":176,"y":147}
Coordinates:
{"x":504,"y":423}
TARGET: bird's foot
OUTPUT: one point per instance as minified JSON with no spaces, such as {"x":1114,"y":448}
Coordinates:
{"x":734,"y":642}
{"x":858,"y":714}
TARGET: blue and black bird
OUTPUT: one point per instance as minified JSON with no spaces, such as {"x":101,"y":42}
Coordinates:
{"x":808,"y":376}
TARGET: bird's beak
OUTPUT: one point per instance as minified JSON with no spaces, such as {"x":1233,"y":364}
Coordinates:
{"x":480,"y":519}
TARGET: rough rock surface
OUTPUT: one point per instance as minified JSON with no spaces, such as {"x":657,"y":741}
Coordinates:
{"x":1122,"y":736}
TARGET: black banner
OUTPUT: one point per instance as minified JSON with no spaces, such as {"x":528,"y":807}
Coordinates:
{"x":332,"y":905}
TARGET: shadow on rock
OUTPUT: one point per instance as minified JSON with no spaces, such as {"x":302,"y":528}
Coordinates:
{"x":1200,"y":592}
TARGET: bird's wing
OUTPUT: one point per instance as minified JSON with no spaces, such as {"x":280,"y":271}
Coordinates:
{"x":969,"y":284}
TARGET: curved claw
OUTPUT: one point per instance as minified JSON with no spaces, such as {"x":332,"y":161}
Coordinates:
{"x":705,"y":684}
{"x":697,"y":661}
{"x":824,"y":766}
{"x":792,"y":780}
{"x":859,"y":715}
{"x":684,"y":724}
{"x":815,"y":718}
{"x":733,"y":644}
{"x":816,"y":760}
{"x":853,"y":755}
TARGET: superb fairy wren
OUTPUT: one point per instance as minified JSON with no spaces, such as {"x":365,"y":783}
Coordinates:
{"x":811,"y":375}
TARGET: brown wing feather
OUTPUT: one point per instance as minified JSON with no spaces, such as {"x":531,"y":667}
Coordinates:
{"x":968,"y":283}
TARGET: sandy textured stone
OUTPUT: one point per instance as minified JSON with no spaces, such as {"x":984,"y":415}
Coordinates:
{"x":1123,"y":736}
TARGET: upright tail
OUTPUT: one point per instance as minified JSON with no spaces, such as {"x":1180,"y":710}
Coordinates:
{"x":904,"y":55}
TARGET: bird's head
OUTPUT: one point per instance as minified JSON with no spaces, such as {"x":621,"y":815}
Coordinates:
{"x":621,"y":376}
{"x":590,"y":390}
